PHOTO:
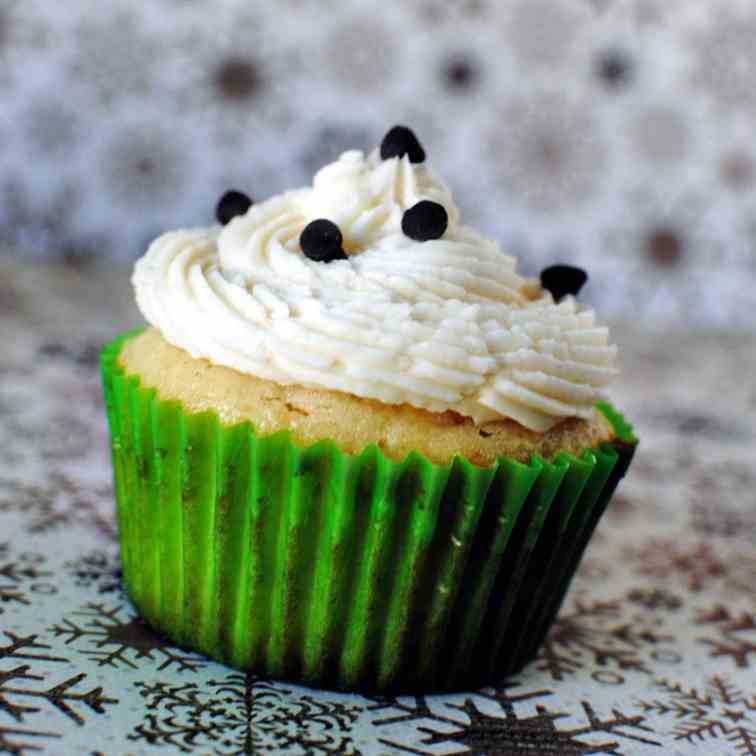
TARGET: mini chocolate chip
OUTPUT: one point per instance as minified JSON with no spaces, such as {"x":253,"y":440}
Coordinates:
{"x":425,"y":220}
{"x":561,"y":280}
{"x":231,"y":204}
{"x":321,"y":241}
{"x":400,"y":141}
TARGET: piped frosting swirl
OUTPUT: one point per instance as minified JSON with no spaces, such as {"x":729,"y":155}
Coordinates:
{"x":445,"y":324}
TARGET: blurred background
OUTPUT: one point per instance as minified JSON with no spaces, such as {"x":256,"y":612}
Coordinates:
{"x":613,"y":134}
{"x":618,"y":135}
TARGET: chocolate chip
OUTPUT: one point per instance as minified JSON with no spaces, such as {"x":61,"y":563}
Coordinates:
{"x":231,"y":204}
{"x":400,"y":141}
{"x":562,"y":280}
{"x":321,"y":241}
{"x":424,"y":221}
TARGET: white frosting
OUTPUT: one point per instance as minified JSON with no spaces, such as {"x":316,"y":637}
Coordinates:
{"x":442,"y":325}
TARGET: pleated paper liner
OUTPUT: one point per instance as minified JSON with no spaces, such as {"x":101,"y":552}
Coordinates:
{"x":341,"y":570}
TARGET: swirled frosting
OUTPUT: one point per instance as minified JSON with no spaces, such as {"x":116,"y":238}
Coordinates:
{"x":446,"y":324}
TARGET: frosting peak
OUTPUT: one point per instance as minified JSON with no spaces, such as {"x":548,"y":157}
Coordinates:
{"x":445,"y":324}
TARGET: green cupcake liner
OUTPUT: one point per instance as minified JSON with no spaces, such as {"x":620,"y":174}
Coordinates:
{"x":340,"y":570}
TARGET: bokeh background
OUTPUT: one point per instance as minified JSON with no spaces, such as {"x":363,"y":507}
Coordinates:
{"x":613,"y":134}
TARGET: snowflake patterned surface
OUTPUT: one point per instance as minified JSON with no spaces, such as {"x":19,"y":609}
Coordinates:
{"x":653,"y":652}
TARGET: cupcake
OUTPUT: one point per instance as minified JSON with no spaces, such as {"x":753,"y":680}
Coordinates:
{"x":355,"y":447}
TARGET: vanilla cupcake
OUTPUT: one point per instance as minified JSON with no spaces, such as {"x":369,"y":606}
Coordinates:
{"x":355,"y":447}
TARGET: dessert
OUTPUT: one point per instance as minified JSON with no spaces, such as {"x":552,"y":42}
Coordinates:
{"x":355,"y":447}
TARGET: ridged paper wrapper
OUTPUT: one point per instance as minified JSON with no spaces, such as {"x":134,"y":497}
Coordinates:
{"x":350,"y":571}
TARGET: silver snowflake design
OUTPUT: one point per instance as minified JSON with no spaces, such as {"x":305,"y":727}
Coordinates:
{"x":244,"y":714}
{"x":718,"y":711}
{"x":697,"y":566}
{"x":25,"y":697}
{"x":735,"y":635}
{"x":99,"y":570}
{"x":730,"y":484}
{"x":489,"y":722}
{"x":25,"y":647}
{"x":598,"y":636}
{"x":20,"y":575}
{"x":113,"y":637}
{"x":57,"y":501}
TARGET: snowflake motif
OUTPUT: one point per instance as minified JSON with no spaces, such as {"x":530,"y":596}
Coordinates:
{"x":61,"y":696}
{"x":654,"y":599}
{"x":18,"y":742}
{"x":98,"y":570}
{"x":595,"y":636}
{"x":720,"y":711}
{"x":742,"y":576}
{"x":21,"y":576}
{"x":15,"y":740}
{"x":187,"y":716}
{"x":123,"y":642}
{"x":242,"y":714}
{"x":697,"y":566}
{"x":728,"y":484}
{"x":737,"y":635}
{"x":21,"y":697}
{"x":487,"y":722}
{"x":20,"y":646}
{"x":58,"y":502}
{"x":549,"y":151}
{"x":724,"y":521}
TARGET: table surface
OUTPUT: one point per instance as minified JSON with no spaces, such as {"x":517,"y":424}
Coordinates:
{"x":654,"y":651}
